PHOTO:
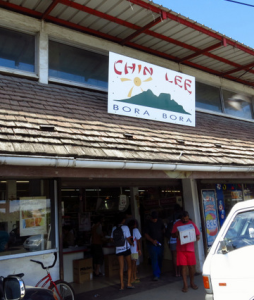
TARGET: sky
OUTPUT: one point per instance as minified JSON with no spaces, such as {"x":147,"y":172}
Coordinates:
{"x":231,"y":19}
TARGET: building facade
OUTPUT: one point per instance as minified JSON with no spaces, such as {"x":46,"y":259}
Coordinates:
{"x":65,"y":159}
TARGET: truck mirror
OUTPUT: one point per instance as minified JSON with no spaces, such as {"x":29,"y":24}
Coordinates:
{"x":223,"y":247}
{"x":14,"y":288}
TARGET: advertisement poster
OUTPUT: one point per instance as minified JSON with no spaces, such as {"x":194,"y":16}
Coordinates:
{"x":237,"y":195}
{"x":123,"y":202}
{"x":210,"y":215}
{"x":84,"y":221}
{"x":33,"y":216}
{"x":142,"y":90}
{"x":220,"y":203}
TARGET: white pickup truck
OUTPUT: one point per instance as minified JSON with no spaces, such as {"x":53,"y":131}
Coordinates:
{"x":228,"y":271}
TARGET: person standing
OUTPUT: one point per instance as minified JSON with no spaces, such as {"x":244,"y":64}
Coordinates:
{"x":4,"y":238}
{"x":154,"y":234}
{"x":186,"y":252}
{"x":172,"y":241}
{"x":124,"y":252}
{"x":96,"y":246}
{"x":172,"y":246}
{"x":135,"y":249}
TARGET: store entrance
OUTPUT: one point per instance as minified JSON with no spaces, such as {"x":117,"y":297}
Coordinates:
{"x":81,"y":208}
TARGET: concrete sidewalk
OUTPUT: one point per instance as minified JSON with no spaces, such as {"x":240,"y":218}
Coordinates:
{"x":172,"y":291}
{"x":167,"y":288}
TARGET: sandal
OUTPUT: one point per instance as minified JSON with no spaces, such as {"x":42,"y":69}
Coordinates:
{"x":194,"y":287}
{"x":136,"y":281}
{"x":184,"y":290}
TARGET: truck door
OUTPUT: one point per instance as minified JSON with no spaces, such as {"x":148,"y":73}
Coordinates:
{"x":232,"y":265}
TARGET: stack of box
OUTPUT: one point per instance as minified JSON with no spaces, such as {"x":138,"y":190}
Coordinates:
{"x":111,"y":265}
{"x":83,"y":270}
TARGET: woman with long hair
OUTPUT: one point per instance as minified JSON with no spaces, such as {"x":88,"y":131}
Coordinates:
{"x":124,"y":252}
{"x":135,"y":249}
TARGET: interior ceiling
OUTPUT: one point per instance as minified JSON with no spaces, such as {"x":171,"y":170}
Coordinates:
{"x":148,"y":27}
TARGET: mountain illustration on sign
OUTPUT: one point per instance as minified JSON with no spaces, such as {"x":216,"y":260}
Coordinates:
{"x":163,"y":101}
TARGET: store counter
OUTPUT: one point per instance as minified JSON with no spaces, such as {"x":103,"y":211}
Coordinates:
{"x":109,"y":250}
{"x":69,"y":255}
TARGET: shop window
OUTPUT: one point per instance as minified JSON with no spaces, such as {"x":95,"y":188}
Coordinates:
{"x":26,"y":216}
{"x":208,"y":97}
{"x":81,"y":207}
{"x":78,"y":65}
{"x":237,"y":105}
{"x":17,"y":50}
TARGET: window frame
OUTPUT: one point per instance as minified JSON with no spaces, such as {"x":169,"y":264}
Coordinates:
{"x":251,"y":104}
{"x":222,"y":113}
{"x":71,"y":82}
{"x":27,"y":74}
{"x":54,"y":207}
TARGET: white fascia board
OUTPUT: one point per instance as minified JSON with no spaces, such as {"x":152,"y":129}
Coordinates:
{"x":19,"y":22}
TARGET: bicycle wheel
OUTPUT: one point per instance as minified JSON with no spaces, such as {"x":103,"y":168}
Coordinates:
{"x":63,"y":291}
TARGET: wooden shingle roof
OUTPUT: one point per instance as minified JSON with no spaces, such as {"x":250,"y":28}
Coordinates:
{"x":84,"y":129}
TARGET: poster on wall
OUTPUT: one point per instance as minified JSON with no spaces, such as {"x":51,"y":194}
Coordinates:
{"x":84,"y":221}
{"x":236,"y":195}
{"x":220,"y":203}
{"x":142,"y":90}
{"x":210,"y":215}
{"x":123,"y":203}
{"x":33,"y":216}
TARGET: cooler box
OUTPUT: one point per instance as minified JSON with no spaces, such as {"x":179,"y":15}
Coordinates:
{"x":187,"y":234}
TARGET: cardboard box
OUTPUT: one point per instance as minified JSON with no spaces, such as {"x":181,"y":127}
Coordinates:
{"x":82,"y":270}
{"x":187,"y":234}
{"x":111,"y":265}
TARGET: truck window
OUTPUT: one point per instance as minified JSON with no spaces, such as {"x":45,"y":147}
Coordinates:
{"x":241,"y":232}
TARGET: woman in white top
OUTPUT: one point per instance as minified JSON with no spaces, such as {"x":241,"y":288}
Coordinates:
{"x":124,"y":252}
{"x":135,"y":249}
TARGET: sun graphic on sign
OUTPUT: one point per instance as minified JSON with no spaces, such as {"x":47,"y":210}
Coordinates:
{"x":137,"y":82}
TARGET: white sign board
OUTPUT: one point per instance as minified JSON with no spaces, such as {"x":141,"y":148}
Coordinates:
{"x":33,"y":217}
{"x":142,"y":90}
{"x":187,"y":234}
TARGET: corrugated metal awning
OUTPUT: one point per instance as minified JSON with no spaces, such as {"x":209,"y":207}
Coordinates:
{"x":146,"y":26}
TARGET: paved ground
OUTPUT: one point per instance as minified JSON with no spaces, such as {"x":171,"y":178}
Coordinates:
{"x":171,"y":291}
{"x":167,"y":288}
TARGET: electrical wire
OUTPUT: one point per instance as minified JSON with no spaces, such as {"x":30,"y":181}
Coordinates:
{"x":240,"y":3}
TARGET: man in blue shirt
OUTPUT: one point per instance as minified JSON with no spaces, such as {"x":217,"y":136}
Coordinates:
{"x":154,"y":233}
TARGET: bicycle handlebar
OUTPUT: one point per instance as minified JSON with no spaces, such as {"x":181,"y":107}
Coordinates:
{"x":42,"y":265}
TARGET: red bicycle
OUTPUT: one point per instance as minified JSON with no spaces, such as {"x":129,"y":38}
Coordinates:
{"x":61,"y":289}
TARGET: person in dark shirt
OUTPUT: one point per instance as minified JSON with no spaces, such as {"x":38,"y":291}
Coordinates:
{"x":96,"y":245}
{"x":154,"y":234}
{"x":4,"y":238}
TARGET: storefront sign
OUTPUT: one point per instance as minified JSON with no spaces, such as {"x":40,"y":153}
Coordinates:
{"x":33,"y":216}
{"x":210,"y":215}
{"x":142,"y":90}
{"x":151,"y":203}
{"x":167,"y":202}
